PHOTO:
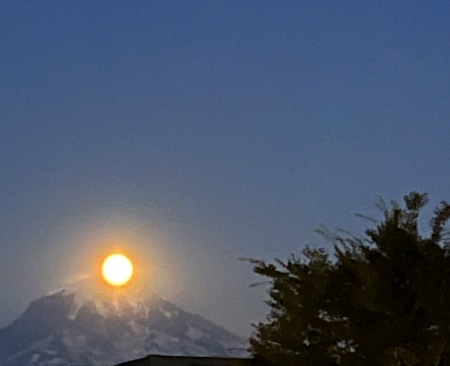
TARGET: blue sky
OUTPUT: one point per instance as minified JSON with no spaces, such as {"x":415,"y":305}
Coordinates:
{"x":211,"y":131}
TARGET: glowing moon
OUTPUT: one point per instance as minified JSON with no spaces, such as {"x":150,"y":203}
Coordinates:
{"x":117,"y":270}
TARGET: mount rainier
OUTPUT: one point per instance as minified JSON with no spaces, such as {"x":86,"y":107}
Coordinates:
{"x":61,"y":329}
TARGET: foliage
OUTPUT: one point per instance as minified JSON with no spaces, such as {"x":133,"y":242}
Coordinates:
{"x":380,"y":300}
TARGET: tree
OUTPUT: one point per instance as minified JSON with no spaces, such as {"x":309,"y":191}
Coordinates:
{"x":380,"y":300}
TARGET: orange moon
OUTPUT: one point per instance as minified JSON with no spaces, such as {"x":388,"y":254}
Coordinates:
{"x":117,"y":270}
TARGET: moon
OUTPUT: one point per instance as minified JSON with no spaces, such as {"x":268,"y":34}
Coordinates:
{"x":117,"y":270}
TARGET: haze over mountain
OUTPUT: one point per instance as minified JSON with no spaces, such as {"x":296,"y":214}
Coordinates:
{"x":65,"y":328}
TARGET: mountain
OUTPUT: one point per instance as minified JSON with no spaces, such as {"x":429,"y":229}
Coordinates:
{"x":60,"y":329}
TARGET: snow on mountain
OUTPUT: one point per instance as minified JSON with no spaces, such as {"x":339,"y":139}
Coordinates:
{"x":60,"y":329}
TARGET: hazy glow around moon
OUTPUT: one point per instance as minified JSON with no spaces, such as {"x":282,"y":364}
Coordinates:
{"x":117,"y":270}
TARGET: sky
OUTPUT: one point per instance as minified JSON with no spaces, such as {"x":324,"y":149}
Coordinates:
{"x":198,"y":133}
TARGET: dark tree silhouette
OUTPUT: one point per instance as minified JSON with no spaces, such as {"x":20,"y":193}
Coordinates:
{"x":383,"y":299}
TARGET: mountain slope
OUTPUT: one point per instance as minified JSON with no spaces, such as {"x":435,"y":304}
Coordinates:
{"x":58,"y":329}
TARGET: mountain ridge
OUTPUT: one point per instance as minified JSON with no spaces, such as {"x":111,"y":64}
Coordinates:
{"x":60,"y":329}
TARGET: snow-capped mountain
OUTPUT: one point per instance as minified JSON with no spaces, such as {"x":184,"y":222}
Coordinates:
{"x":59,"y":329}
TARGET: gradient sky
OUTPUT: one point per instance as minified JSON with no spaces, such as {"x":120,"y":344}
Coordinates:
{"x":207,"y":131}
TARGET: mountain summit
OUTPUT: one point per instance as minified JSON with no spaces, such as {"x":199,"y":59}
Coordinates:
{"x":59,"y":329}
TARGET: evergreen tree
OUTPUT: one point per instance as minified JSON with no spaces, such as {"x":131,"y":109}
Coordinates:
{"x":378,"y":301}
